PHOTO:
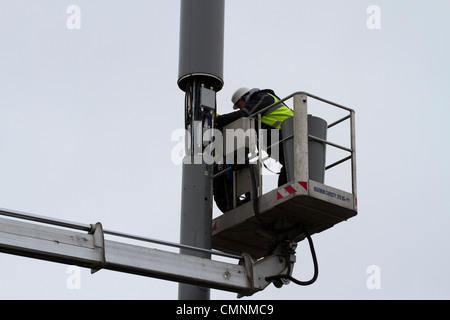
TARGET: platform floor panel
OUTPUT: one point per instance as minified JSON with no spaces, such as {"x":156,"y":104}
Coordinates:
{"x":239,"y":231}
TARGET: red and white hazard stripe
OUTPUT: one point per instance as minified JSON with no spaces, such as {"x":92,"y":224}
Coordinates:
{"x":292,"y":188}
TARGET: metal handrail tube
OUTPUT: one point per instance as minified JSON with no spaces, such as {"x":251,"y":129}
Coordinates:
{"x":253,"y":157}
{"x":338,"y":162}
{"x":338,"y":121}
{"x":330,"y":143}
{"x":221,"y":172}
{"x":170,"y":244}
{"x":353,"y":146}
{"x":47,"y":220}
{"x":326,"y":101}
{"x":88,"y":228}
{"x":307,"y":94}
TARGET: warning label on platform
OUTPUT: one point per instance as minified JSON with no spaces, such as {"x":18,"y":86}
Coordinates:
{"x":332,"y":194}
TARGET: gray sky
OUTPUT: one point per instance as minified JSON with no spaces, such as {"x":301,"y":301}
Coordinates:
{"x":86,"y":118}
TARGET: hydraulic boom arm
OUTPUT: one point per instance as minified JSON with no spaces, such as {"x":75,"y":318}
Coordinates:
{"x":91,"y":250}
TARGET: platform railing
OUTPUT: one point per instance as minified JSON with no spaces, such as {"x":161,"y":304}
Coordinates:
{"x":301,"y":136}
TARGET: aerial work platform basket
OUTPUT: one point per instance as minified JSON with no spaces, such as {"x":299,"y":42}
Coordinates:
{"x":305,"y":202}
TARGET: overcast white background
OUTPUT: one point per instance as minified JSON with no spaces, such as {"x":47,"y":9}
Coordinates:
{"x":86,"y":118}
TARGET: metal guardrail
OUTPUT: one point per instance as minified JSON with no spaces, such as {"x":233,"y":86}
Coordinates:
{"x":350,"y":117}
{"x":300,"y":107}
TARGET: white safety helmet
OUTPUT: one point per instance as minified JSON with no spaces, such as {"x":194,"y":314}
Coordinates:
{"x":237,"y":95}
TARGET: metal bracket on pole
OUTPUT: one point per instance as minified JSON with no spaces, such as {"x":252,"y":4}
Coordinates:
{"x":99,"y":245}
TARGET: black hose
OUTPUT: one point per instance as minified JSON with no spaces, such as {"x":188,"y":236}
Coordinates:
{"x":289,"y":277}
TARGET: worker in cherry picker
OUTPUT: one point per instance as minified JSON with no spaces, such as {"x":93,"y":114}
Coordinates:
{"x":248,"y":102}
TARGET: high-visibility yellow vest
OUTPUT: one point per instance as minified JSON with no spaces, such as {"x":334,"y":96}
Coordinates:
{"x":276,"y":115}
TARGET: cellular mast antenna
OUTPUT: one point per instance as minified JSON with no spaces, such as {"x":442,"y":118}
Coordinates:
{"x":200,"y":77}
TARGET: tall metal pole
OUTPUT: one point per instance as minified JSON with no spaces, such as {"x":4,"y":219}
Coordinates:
{"x":200,"y":77}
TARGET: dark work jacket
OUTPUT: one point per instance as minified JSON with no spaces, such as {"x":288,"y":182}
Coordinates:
{"x":254,"y":103}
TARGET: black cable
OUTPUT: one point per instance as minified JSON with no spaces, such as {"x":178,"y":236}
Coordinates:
{"x":289,"y":277}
